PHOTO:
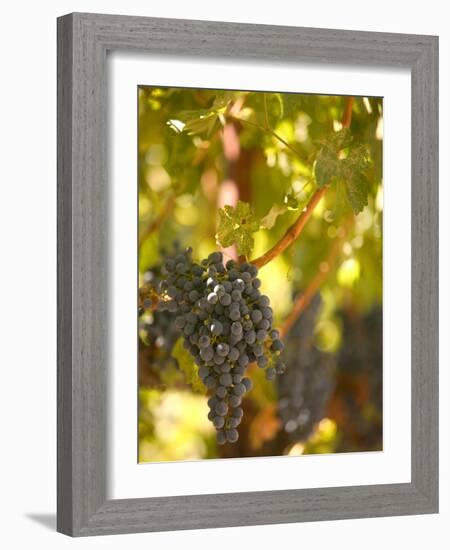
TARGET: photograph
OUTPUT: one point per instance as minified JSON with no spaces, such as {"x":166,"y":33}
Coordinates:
{"x":260,"y":274}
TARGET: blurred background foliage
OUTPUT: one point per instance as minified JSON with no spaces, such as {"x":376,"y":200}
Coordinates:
{"x":202,"y":149}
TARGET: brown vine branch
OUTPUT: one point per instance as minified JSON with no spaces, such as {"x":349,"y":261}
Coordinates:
{"x":303,"y":299}
{"x":348,"y":110}
{"x":292,"y":232}
{"x":296,"y":228}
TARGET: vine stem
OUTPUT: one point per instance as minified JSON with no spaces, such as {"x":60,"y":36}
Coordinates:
{"x":296,"y":228}
{"x":272,"y":133}
{"x":303,"y":299}
{"x":292,"y":232}
{"x":348,"y":110}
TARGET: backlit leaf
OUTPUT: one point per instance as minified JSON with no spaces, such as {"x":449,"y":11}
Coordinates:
{"x":188,"y":367}
{"x":271,"y":217}
{"x":236,"y":226}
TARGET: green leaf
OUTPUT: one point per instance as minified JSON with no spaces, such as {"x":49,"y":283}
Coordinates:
{"x":291,"y":104}
{"x":326,"y":167}
{"x":195,"y":122}
{"x":355,"y":174}
{"x":357,"y":192}
{"x":188,"y":367}
{"x":202,"y":121}
{"x":236,"y":226}
{"x":271,"y":217}
{"x":351,"y":170}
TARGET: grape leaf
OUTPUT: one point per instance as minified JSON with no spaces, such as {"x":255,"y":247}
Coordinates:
{"x":188,"y":367}
{"x":291,"y":104}
{"x":326,"y":167}
{"x":355,"y":175}
{"x":201,"y":120}
{"x":352,"y":170}
{"x":236,"y":226}
{"x":271,"y":217}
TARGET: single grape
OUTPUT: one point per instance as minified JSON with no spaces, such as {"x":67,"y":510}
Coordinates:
{"x":270,"y":373}
{"x":204,"y":341}
{"x":210,"y":382}
{"x":237,"y":413}
{"x":180,"y":268}
{"x":258,"y":350}
{"x":212,"y":298}
{"x":180,"y":322}
{"x":221,"y":437}
{"x":250,"y":336}
{"x":219,"y":290}
{"x":232,"y":435}
{"x":236,"y":296}
{"x":262,"y":361}
{"x":221,"y":408}
{"x":225,"y":300}
{"x":172,"y":292}
{"x":237,"y":378}
{"x":219,"y":422}
{"x":233,"y":354}
{"x":215,"y":257}
{"x":277,"y":345}
{"x":203,"y":371}
{"x":261,"y":335}
{"x":226,"y":380}
{"x":207,"y":353}
{"x":236,"y":328}
{"x":267,"y":313}
{"x":221,"y":392}
{"x":223,"y":349}
{"x":233,"y":422}
{"x":216,"y":328}
{"x":280,"y":367}
{"x":234,"y":314}
{"x":218,"y":359}
{"x":243,"y":360}
{"x":234,"y":400}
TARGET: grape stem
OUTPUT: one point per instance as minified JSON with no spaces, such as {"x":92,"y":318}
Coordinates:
{"x":297,"y":227}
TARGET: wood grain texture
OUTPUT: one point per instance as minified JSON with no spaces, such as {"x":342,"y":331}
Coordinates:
{"x":83,"y":205}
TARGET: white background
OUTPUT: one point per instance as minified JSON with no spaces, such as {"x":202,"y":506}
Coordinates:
{"x":28,"y":267}
{"x":127,"y":479}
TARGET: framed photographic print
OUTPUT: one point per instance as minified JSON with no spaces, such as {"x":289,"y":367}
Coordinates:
{"x":247,"y":274}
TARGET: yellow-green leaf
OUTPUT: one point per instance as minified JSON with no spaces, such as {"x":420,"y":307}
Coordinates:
{"x":188,"y":367}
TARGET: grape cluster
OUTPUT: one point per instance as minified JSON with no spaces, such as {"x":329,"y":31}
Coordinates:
{"x":156,"y":329}
{"x":360,"y":372}
{"x":226,"y":324}
{"x":305,"y":388}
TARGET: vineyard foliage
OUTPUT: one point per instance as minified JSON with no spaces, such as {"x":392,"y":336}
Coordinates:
{"x":232,"y":172}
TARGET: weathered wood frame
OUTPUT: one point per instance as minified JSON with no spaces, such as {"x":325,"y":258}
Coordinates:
{"x":83,"y":41}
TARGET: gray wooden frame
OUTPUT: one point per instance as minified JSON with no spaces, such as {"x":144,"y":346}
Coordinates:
{"x":83,"y":41}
